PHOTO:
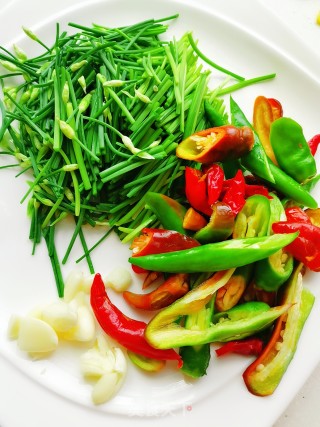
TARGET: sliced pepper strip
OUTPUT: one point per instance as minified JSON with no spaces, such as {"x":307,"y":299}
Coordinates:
{"x":163,"y":332}
{"x":171,"y":289}
{"x":216,"y":144}
{"x":196,"y":190}
{"x":234,"y":196}
{"x":126,"y":331}
{"x":215,"y":256}
{"x":246,"y":347}
{"x":263,"y":376}
{"x":156,"y":240}
{"x":215,"y":178}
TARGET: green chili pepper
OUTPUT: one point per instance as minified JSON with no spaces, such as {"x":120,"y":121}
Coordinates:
{"x":272,"y":272}
{"x":169,"y":212}
{"x":290,"y":188}
{"x":292,"y":150}
{"x":255,"y":161}
{"x":196,"y":359}
{"x":215,"y":116}
{"x":263,"y":376}
{"x":253,"y":219}
{"x":220,"y":225}
{"x":215,"y":256}
{"x":247,"y":319}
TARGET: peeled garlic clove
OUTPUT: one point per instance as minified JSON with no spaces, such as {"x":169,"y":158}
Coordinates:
{"x":119,"y":279}
{"x":36,"y":336}
{"x":85,"y":329}
{"x":105,"y":388}
{"x":60,"y":316}
{"x":13,"y":327}
{"x":94,"y":364}
{"x":73,"y":285}
{"x":120,"y":364}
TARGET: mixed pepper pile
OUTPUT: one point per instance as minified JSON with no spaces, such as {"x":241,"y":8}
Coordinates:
{"x":227,"y":260}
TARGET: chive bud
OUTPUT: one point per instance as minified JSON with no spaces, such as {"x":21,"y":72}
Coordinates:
{"x":82,"y":83}
{"x":77,"y":65}
{"x":71,"y":167}
{"x":66,"y":129}
{"x":84,"y":103}
{"x":34,"y":93}
{"x":30,"y":34}
{"x":134,"y":150}
{"x":65,"y":93}
{"x":69,"y":195}
{"x":142,"y":97}
{"x":8,"y":65}
{"x":25,"y":97}
{"x":20,"y":54}
{"x":113,"y":83}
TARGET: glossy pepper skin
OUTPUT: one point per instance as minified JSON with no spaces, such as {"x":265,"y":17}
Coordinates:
{"x":156,"y":240}
{"x":169,"y":212}
{"x":220,"y":225}
{"x":126,"y":331}
{"x":263,"y":376}
{"x":254,"y":217}
{"x":196,"y":190}
{"x":234,"y":195}
{"x":171,"y":289}
{"x":257,"y":162}
{"x":246,"y":347}
{"x":292,"y":150}
{"x":242,"y":321}
{"x":215,"y":256}
{"x":265,"y":111}
{"x":216,"y":144}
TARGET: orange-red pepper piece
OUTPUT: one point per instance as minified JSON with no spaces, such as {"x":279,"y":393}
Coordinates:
{"x":193,"y":220}
{"x":173,"y":288}
{"x":265,"y":111}
{"x":216,"y":144}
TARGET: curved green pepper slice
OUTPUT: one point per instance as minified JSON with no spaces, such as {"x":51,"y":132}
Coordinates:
{"x":263,"y":376}
{"x":215,"y":256}
{"x":163,"y":332}
{"x":220,"y":225}
{"x":291,"y":149}
{"x":169,"y":212}
{"x":253,"y":219}
{"x":274,"y":271}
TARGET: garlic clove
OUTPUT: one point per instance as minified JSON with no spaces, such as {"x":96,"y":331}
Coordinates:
{"x":36,"y":336}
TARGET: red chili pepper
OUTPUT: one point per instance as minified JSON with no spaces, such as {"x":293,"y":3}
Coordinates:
{"x":252,"y":189}
{"x":196,"y":190}
{"x":314,"y":143}
{"x":276,"y":107}
{"x":306,"y":247}
{"x":215,"y":178}
{"x":126,"y":331}
{"x":156,"y":241}
{"x":248,"y":347}
{"x":235,"y":193}
{"x":296,"y":214}
{"x":169,"y":291}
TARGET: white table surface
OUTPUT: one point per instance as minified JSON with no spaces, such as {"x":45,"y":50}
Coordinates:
{"x":298,"y":18}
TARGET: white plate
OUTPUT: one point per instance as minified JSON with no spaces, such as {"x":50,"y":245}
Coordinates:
{"x":52,"y":390}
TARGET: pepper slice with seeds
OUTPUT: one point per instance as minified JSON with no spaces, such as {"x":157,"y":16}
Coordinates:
{"x":263,"y":376}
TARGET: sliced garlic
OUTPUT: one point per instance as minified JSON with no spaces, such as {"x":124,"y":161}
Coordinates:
{"x":85,"y":328}
{"x":119,"y":279}
{"x":73,"y":285}
{"x":36,"y":336}
{"x":105,"y":388}
{"x":60,"y":316}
